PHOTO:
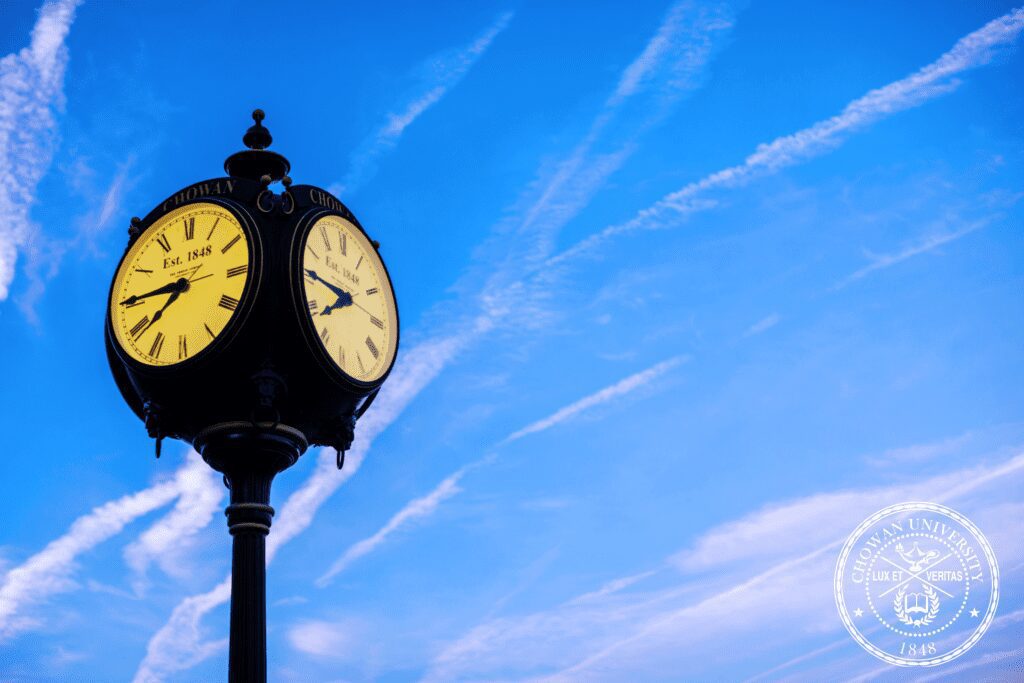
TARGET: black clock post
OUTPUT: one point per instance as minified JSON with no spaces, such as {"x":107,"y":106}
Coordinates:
{"x":260,"y":390}
{"x":249,"y":455}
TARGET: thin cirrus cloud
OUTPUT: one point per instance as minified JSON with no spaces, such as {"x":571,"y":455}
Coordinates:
{"x":614,"y":633}
{"x":673,"y":63}
{"x":938,"y":78}
{"x":445,"y":72}
{"x":45,"y":256}
{"x":416,"y":509}
{"x":428,"y":504}
{"x":620,"y":388}
{"x":31,"y":95}
{"x":51,"y":570}
{"x":167,"y":541}
{"x":180,"y":644}
{"x":882,"y":261}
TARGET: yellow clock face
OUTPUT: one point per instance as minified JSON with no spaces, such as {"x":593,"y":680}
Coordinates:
{"x":180,"y":284}
{"x":349,"y":299}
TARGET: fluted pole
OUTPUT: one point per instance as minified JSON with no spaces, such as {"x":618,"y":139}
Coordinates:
{"x":249,"y":456}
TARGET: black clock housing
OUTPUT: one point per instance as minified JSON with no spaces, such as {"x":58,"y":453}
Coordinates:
{"x":262,"y":369}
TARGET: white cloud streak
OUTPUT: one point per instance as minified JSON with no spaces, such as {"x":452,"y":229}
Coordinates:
{"x":938,"y":78}
{"x":671,"y":64}
{"x":178,"y":644}
{"x":763,"y":325}
{"x":607,"y":635}
{"x":416,"y":509}
{"x":882,"y":261}
{"x":181,"y":643}
{"x":49,"y":571}
{"x":201,"y":497}
{"x":620,"y":388}
{"x":31,"y":94}
{"x":446,"y":71}
{"x":324,"y":639}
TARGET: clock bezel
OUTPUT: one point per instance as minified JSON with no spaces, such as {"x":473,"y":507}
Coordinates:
{"x":309,"y":333}
{"x":238,"y":318}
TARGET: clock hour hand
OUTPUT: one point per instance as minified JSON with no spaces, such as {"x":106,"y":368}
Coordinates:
{"x":176,"y":286}
{"x":344,"y":299}
{"x":159,"y":314}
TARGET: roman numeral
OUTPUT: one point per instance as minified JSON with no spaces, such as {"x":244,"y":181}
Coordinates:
{"x":228,"y":302}
{"x":373,"y":347}
{"x":182,"y":346}
{"x":323,"y":236}
{"x":341,"y":356}
{"x":358,"y":262}
{"x":158,"y":343}
{"x":237,"y":270}
{"x":344,"y":244}
{"x":376,"y":321}
{"x":212,"y":228}
{"x":230,"y":244}
{"x":313,"y":305}
{"x":190,"y":227}
{"x":315,"y":255}
{"x":164,"y":243}
{"x":140,"y":326}
{"x":209,"y":331}
{"x":325,"y":335}
{"x":372,"y":290}
{"x":143,"y":270}
{"x":359,"y":359}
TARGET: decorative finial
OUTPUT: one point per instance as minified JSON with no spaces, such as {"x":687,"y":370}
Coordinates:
{"x":257,"y":161}
{"x":257,"y":137}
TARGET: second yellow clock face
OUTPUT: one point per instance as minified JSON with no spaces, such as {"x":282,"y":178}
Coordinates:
{"x":180,"y":284}
{"x":349,"y":298}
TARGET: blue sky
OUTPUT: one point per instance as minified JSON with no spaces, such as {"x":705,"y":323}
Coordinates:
{"x":688,"y":291}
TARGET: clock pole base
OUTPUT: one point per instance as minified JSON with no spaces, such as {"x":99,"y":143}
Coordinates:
{"x":249,"y":455}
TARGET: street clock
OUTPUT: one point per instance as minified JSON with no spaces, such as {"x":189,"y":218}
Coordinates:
{"x":251,"y":324}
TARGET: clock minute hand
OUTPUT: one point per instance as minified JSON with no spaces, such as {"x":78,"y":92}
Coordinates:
{"x":170,"y":287}
{"x":334,"y":288}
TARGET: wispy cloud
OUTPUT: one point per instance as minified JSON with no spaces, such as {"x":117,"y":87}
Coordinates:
{"x":882,"y":261}
{"x":444,"y":72}
{"x":620,"y":388}
{"x":918,"y":453}
{"x":938,"y":78}
{"x":45,"y":254}
{"x":427,"y":505}
{"x":609,"y":634}
{"x":181,"y":643}
{"x":31,"y":94}
{"x":326,"y":639}
{"x":168,"y":539}
{"x":50,"y":570}
{"x":178,"y":645}
{"x":613,"y":586}
{"x":763,"y":325}
{"x":672,"y":64}
{"x":416,"y":509}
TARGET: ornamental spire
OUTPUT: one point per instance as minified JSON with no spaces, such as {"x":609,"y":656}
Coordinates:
{"x":257,"y":161}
